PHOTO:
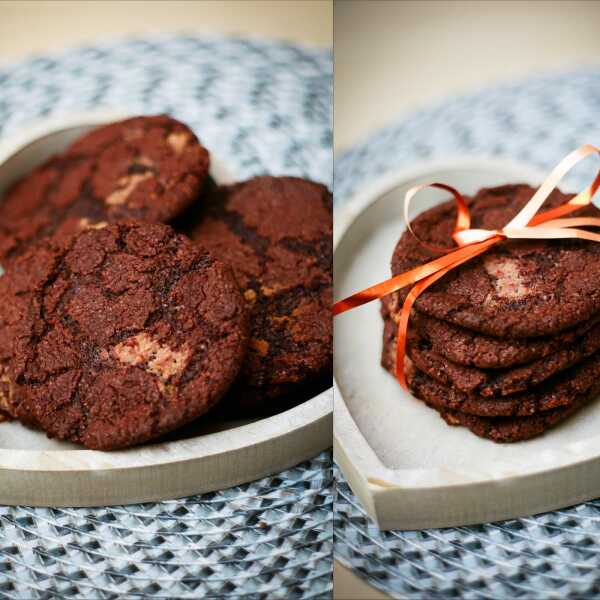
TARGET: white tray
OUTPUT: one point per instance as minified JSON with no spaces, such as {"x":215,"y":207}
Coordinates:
{"x":210,"y":455}
{"x":408,"y":468}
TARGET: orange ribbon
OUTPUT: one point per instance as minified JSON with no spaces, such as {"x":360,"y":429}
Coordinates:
{"x":527,"y":224}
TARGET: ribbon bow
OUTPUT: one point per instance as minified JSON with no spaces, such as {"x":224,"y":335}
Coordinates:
{"x":527,"y":224}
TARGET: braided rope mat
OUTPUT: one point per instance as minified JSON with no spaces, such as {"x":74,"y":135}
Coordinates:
{"x":261,"y":107}
{"x":553,"y":555}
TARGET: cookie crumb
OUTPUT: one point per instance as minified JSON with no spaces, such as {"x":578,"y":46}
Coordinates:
{"x":261,"y":346}
{"x":250,"y":295}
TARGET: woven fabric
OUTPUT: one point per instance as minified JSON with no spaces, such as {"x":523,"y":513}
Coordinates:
{"x":260,"y":107}
{"x":268,"y":539}
{"x":553,"y":555}
{"x":536,"y":121}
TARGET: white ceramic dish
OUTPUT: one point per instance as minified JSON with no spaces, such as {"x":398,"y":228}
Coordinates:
{"x":210,"y":455}
{"x":408,"y":468}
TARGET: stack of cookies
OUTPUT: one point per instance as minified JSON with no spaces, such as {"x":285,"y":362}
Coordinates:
{"x":508,"y":344}
{"x":139,"y":294}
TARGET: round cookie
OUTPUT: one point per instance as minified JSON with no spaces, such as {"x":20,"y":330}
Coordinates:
{"x":276,"y":234}
{"x":131,"y":331}
{"x":514,"y":429}
{"x":501,"y":382}
{"x":472,"y":349}
{"x":145,"y":168}
{"x":518,"y":288}
{"x":564,"y":391}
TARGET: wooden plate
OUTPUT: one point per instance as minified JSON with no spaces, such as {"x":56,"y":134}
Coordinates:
{"x":205,"y":456}
{"x":409,"y":469}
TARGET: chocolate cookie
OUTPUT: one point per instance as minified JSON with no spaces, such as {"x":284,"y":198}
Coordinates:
{"x":276,"y":234}
{"x":501,"y":382}
{"x":130,"y":331}
{"x":12,"y":312}
{"x":146,"y":168}
{"x":515,"y":429}
{"x":473,"y":349}
{"x":518,"y":288}
{"x":562,"y":390}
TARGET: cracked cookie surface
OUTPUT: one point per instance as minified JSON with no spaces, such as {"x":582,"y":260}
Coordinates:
{"x":518,"y":288}
{"x":129,"y":332}
{"x":13,"y":309}
{"x":145,"y":168}
{"x":276,"y":234}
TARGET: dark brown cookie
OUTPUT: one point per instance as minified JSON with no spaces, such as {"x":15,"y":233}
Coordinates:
{"x":515,"y":429}
{"x":12,"y":313}
{"x":473,"y":349}
{"x":518,"y":288}
{"x":146,"y":168}
{"x":562,"y":390}
{"x":276,"y":234}
{"x":130,"y":331}
{"x":500,"y":382}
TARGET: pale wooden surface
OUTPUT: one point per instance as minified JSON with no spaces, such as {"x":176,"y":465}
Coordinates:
{"x":35,"y":26}
{"x":394,"y":57}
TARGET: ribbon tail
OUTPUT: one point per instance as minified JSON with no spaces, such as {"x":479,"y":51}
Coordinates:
{"x":409,"y":277}
{"x":552,"y":233}
{"x":414,"y":293}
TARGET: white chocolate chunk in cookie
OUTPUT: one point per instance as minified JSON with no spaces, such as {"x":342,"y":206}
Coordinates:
{"x":508,"y":281}
{"x":159,"y":359}
{"x":85,"y":223}
{"x":178,"y":141}
{"x":144,"y":161}
{"x":127,"y":185}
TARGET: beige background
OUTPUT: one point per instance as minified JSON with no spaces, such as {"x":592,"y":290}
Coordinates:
{"x":394,"y":57}
{"x":32,"y":26}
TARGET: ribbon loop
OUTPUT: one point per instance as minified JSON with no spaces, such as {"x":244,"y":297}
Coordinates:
{"x":526,"y":214}
{"x":463,"y":216}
